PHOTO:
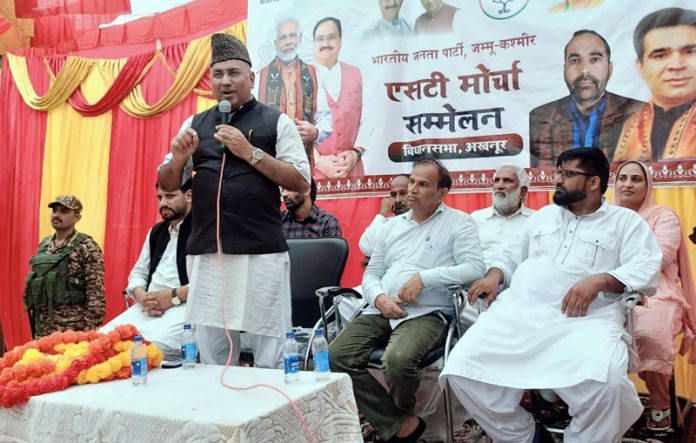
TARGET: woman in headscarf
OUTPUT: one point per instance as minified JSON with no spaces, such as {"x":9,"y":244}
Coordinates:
{"x":672,"y":309}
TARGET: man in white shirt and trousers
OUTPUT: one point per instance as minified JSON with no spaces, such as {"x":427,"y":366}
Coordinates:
{"x":418,"y":255}
{"x":560,"y":324}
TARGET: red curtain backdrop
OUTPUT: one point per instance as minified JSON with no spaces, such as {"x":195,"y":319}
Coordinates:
{"x":138,"y":146}
{"x":37,"y":8}
{"x":23,"y":132}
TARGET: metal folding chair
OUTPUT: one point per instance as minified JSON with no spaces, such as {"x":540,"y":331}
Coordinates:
{"x":454,"y":332}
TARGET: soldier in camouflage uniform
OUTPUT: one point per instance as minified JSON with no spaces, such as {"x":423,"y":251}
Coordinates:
{"x":81,"y":304}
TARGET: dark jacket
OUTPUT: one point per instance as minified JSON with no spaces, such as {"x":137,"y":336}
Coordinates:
{"x":250,"y":202}
{"x":551,"y":129}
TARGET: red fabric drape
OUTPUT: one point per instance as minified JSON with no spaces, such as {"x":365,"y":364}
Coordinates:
{"x":36,"y":8}
{"x":23,"y":133}
{"x":187,"y":20}
{"x":59,"y":34}
{"x":118,"y":91}
{"x":4,"y":25}
{"x":138,"y":146}
{"x":356,"y":214}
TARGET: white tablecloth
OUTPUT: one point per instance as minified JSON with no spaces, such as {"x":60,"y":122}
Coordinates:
{"x":180,"y":405}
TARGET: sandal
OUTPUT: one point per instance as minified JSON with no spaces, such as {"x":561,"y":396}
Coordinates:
{"x":657,"y":416}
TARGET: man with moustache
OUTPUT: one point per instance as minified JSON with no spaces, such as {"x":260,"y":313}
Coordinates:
{"x":341,"y":107}
{"x":65,"y":287}
{"x":159,"y":280}
{"x":665,"y":128}
{"x":437,"y":18}
{"x":590,"y":116}
{"x":239,"y":265}
{"x":500,"y":224}
{"x":418,"y":255}
{"x":304,"y":219}
{"x":560,"y":324}
{"x":289,"y":84}
{"x":390,"y":24}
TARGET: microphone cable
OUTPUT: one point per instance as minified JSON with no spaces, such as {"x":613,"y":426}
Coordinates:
{"x":225,"y":108}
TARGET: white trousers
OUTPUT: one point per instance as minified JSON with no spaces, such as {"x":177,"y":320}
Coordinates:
{"x":214,"y":347}
{"x":602,"y":412}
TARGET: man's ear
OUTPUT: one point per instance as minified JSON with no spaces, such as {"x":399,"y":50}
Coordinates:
{"x":523,"y":193}
{"x":595,"y":182}
{"x":443,"y":193}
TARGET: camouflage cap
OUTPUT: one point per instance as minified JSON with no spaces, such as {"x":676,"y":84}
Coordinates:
{"x":69,"y":201}
{"x":226,"y":47}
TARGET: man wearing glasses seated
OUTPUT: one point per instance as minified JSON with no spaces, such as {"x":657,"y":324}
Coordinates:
{"x":559,"y":325}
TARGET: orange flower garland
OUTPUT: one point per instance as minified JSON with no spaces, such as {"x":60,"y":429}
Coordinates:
{"x":64,"y":359}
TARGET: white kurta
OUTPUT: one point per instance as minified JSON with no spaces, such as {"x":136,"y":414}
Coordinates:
{"x":497,"y":232}
{"x":256,"y":287}
{"x":524,"y":341}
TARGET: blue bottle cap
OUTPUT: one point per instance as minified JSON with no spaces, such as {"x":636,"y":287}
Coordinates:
{"x":290,"y":334}
{"x":319,"y":332}
{"x":187,"y":325}
{"x":137,"y":339}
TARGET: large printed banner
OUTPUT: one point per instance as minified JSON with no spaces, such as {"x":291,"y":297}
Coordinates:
{"x":375,"y":84}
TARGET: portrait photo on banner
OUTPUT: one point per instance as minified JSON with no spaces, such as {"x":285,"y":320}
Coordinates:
{"x":374,"y":85}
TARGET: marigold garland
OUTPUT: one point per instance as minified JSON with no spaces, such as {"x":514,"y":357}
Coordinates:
{"x":67,"y":358}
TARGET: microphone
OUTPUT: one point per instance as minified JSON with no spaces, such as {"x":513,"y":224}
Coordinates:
{"x":225,"y":107}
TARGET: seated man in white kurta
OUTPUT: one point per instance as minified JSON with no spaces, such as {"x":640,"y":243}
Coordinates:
{"x":560,"y":324}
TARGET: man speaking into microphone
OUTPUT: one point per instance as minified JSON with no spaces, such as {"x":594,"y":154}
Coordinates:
{"x":239,"y":162}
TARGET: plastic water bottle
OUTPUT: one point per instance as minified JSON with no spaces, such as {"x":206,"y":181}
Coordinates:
{"x":188,"y":347}
{"x":291,"y":357}
{"x":138,"y":361}
{"x":320,"y":351}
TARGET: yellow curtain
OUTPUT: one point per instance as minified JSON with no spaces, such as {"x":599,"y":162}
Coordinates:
{"x":682,"y":201}
{"x":193,"y":67}
{"x":76,"y":158}
{"x":73,"y":73}
{"x":203,"y":104}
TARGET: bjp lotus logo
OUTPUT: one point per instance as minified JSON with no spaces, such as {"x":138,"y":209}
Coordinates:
{"x":502,"y":9}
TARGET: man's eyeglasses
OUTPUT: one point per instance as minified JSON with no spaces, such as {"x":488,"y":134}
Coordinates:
{"x":568,"y":174}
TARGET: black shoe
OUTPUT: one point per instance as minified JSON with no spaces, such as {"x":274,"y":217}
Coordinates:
{"x":542,"y":435}
{"x":413,"y":438}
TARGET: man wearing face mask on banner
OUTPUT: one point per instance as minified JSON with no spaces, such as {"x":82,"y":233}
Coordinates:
{"x":590,"y":116}
{"x":259,"y":150}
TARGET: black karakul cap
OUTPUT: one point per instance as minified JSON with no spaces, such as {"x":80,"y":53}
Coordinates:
{"x":226,"y":47}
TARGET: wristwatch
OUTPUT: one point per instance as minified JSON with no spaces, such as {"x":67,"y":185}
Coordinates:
{"x":176,"y":301}
{"x":256,"y":156}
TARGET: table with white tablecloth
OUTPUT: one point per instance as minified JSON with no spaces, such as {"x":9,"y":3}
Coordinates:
{"x":189,"y":405}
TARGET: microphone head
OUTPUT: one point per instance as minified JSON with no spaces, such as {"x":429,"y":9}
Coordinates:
{"x":225,"y":107}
